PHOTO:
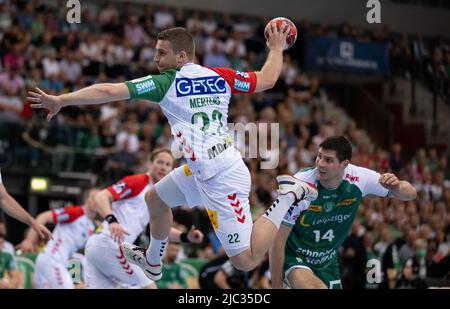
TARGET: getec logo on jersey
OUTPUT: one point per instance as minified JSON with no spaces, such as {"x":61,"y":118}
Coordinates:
{"x":199,"y":86}
{"x":144,"y":85}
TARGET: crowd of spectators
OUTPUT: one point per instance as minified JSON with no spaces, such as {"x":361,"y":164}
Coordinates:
{"x":115,"y":42}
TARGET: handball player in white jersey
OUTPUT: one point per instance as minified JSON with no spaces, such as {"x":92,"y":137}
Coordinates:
{"x":126,"y":217}
{"x":195,"y":101}
{"x":73,"y":227}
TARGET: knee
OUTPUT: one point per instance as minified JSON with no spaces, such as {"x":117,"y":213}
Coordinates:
{"x":154,"y":202}
{"x":243,"y":262}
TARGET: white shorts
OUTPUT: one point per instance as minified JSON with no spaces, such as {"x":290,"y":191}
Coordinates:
{"x":106,"y":267}
{"x":225,"y":197}
{"x":50,"y":274}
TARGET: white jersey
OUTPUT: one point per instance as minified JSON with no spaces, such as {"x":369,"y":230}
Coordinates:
{"x":129,"y":206}
{"x":73,"y":228}
{"x":195,"y":101}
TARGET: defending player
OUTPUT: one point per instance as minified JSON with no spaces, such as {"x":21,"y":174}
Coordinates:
{"x":304,"y":253}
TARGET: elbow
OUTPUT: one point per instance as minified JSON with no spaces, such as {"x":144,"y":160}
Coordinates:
{"x":108,"y":90}
{"x":271,"y":83}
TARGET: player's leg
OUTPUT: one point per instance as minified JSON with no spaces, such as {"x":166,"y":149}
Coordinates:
{"x":175,"y":189}
{"x":228,"y":195}
{"x":52,"y":275}
{"x":302,"y":277}
{"x":97,"y":257}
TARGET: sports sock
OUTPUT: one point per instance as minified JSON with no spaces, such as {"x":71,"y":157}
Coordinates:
{"x":155,"y":251}
{"x":277,"y":211}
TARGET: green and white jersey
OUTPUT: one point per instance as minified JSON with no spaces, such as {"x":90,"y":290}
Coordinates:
{"x":195,"y":101}
{"x":321,"y":229}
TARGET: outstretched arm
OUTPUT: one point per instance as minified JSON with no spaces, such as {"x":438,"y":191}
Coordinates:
{"x":12,"y":208}
{"x":271,"y":70}
{"x":400,"y":189}
{"x":95,"y":94}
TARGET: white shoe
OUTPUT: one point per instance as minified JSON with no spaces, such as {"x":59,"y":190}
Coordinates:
{"x":301,"y":189}
{"x":137,"y":256}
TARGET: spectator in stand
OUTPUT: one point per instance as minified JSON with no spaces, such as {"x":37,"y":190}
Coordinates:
{"x":9,"y":274}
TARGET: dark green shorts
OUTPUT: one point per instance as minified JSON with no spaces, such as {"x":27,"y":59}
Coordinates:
{"x":328,"y":273}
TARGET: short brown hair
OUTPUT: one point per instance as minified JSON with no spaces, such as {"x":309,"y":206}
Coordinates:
{"x":180,"y":39}
{"x":157,"y":151}
{"x":341,"y":145}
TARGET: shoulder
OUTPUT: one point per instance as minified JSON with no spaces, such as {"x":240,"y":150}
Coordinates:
{"x":307,"y":174}
{"x":129,"y":186}
{"x":67,"y":214}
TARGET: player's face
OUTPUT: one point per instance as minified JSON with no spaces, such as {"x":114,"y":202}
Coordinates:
{"x":161,"y":166}
{"x":165,"y":58}
{"x":328,"y":165}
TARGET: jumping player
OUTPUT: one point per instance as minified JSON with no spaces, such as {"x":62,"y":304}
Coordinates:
{"x":195,"y":101}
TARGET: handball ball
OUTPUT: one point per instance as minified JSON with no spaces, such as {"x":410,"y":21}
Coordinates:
{"x":292,"y":36}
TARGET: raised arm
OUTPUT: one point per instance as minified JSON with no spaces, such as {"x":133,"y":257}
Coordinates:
{"x":276,"y":256}
{"x":271,"y":70}
{"x":95,"y":94}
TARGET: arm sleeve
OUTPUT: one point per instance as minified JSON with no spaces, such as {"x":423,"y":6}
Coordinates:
{"x":370,"y":183}
{"x":129,"y":186}
{"x":239,"y":82}
{"x":151,"y":87}
{"x":67,"y":214}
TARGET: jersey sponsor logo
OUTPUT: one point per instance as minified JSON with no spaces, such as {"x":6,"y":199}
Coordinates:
{"x":316,"y":257}
{"x":212,"y":214}
{"x":347,"y":202}
{"x":315,"y":208}
{"x":336,"y":218}
{"x":145,"y":86}
{"x":352,"y":178}
{"x":243,"y":74}
{"x":241,"y":85}
{"x":187,"y":171}
{"x":200,"y":86}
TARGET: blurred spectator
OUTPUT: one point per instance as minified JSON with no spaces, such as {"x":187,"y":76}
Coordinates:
{"x":7,"y":246}
{"x":9,"y":275}
{"x":174,"y":277}
{"x":396,"y":159}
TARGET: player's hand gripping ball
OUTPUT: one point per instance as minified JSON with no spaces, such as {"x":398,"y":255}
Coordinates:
{"x":292,"y":35}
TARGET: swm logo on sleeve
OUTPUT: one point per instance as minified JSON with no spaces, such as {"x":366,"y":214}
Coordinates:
{"x":145,"y":86}
{"x":241,"y":85}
